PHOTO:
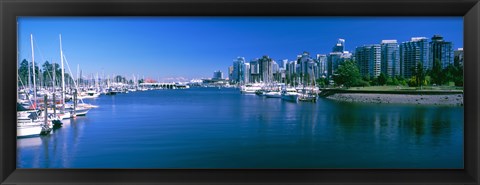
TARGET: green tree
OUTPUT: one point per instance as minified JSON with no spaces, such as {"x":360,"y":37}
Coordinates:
{"x":437,"y":73}
{"x":47,"y":74}
{"x":419,"y":73}
{"x":23,"y":73}
{"x":348,"y":75}
{"x":454,"y":74}
{"x":390,"y":81}
{"x":322,"y":82}
{"x":366,"y":78}
{"x":458,"y":75}
{"x":382,"y":79}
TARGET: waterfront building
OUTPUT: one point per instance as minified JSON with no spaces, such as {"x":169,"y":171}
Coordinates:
{"x":306,"y":67}
{"x":390,"y":58}
{"x":276,"y":71}
{"x":340,"y":46}
{"x":442,"y":51}
{"x":246,"y":73}
{"x":321,"y":71}
{"x":458,"y":57}
{"x":230,"y":72}
{"x":336,"y":57}
{"x":282,"y":76}
{"x":217,"y":75}
{"x":266,"y":69}
{"x":254,"y":71}
{"x":237,"y":73}
{"x":291,"y":71}
{"x":284,"y":63}
{"x":368,"y":60}
{"x":411,"y":52}
{"x":275,"y":67}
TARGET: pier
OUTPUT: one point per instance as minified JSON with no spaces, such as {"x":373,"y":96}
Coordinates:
{"x":170,"y":85}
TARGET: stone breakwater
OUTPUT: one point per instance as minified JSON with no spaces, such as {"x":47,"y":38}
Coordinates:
{"x":447,"y":99}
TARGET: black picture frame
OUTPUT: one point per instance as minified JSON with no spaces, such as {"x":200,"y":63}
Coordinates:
{"x":10,"y":9}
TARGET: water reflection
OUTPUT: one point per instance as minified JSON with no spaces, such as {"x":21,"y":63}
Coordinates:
{"x":211,"y":128}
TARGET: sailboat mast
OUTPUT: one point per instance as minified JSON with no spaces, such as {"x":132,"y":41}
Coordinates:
{"x":78,"y":74}
{"x":96,"y":81}
{"x":33,"y":66}
{"x":63,"y":74}
{"x":54,"y":74}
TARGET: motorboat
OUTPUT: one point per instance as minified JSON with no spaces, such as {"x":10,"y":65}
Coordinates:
{"x":250,"y":88}
{"x":290,"y":94}
{"x":273,"y":94}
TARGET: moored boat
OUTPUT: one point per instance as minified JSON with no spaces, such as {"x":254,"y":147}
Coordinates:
{"x":250,"y":88}
{"x":273,"y":94}
{"x":307,"y":95}
{"x":290,"y":94}
{"x":28,"y":131}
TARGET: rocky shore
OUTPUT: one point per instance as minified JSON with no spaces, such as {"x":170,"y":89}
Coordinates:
{"x":448,"y":99}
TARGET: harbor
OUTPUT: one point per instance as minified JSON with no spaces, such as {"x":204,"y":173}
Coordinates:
{"x":133,"y":92}
{"x":222,"y":128}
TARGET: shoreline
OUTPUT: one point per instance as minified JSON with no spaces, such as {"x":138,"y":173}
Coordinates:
{"x":418,"y":99}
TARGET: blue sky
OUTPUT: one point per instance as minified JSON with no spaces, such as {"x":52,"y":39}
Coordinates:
{"x":194,"y":47}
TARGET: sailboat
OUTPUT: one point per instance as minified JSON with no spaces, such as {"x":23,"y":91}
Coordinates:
{"x":75,"y":109}
{"x":28,"y":121}
{"x":309,"y":94}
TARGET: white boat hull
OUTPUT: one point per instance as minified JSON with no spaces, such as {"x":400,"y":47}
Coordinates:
{"x":273,"y":95}
{"x":25,"y":131}
{"x":79,"y":111}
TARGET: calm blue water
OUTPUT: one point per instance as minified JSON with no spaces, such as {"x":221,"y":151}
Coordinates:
{"x":220,"y":128}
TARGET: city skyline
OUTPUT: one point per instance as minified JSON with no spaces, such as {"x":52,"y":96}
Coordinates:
{"x":187,"y":47}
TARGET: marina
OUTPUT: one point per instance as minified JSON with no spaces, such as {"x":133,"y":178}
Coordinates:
{"x":222,"y":128}
{"x":137,"y":92}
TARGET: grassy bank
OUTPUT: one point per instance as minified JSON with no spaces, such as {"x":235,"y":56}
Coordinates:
{"x":433,"y":90}
{"x":406,"y":88}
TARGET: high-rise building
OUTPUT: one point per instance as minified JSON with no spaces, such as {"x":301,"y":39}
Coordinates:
{"x":305,"y":63}
{"x":237,"y":73}
{"x":412,"y":52}
{"x":246,"y":73}
{"x":368,"y":60}
{"x":390,"y":58}
{"x":306,"y":67}
{"x":340,"y":46}
{"x":230,"y":72}
{"x":334,"y":59}
{"x":322,"y":66}
{"x":266,"y":69}
{"x":441,"y":51}
{"x":458,"y":60}
{"x":284,"y":64}
{"x":254,"y":71}
{"x":291,"y":68}
{"x":217,"y":75}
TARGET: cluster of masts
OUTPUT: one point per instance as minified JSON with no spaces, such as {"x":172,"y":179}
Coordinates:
{"x":40,"y":110}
